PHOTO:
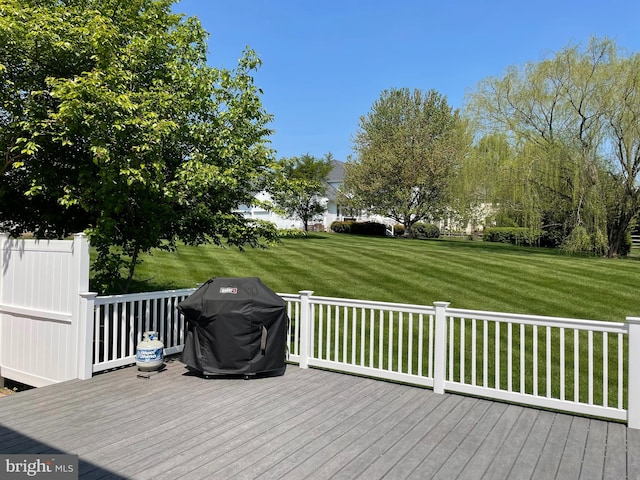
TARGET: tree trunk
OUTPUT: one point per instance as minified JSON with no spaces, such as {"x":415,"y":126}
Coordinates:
{"x":407,"y":228}
{"x":132,"y":268}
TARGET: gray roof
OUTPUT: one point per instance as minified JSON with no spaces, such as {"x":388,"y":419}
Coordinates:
{"x":337,"y":172}
{"x":335,"y":178}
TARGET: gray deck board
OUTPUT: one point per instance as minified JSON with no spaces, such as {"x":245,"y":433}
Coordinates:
{"x":595,"y":450}
{"x":490,"y":447}
{"x":306,"y":424}
{"x":551,"y":454}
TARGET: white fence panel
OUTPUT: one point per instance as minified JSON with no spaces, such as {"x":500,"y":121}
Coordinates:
{"x":391,"y":341}
{"x":40,"y":282}
{"x":559,"y":363}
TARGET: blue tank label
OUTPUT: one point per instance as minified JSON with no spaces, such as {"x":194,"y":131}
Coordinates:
{"x":149,"y":354}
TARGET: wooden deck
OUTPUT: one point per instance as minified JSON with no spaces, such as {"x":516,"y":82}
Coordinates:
{"x":305,"y":424}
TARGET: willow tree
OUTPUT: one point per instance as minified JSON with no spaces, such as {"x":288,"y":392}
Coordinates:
{"x":407,"y":151}
{"x":562,"y":117}
{"x":114,"y":123}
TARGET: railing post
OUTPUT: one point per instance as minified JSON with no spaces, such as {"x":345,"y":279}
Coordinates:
{"x":305,"y":327}
{"x":633,"y":381}
{"x":440,"y":347}
{"x":85,"y":335}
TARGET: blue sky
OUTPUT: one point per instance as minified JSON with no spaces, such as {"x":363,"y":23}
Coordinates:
{"x":326,"y":61}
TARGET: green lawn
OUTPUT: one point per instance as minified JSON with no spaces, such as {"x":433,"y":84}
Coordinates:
{"x":474,"y":275}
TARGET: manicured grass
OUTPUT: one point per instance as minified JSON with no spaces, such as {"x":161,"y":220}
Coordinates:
{"x":474,"y":275}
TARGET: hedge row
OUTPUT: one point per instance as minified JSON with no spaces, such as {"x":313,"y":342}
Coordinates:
{"x":514,"y":235}
{"x":360,"y":228}
{"x":422,"y":231}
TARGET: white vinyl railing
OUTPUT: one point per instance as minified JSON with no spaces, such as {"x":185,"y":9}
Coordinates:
{"x":559,"y":363}
{"x":578,"y":366}
{"x":120,"y":320}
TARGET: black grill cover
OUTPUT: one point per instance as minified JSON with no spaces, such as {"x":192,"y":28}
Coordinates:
{"x":234,"y":326}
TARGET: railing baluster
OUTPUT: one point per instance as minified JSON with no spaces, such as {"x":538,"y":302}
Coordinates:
{"x":462,"y":350}
{"x":410,"y":345}
{"x":497,"y":385}
{"x":485,"y":353}
{"x":312,"y":332}
{"x":430,"y":345}
{"x":123,"y":329}
{"x":536,"y":377}
{"x":371,"y":336}
{"x":620,"y":371}
{"x":605,"y":369}
{"x":381,"y":341}
{"x":509,"y":357}
{"x":97,"y":333}
{"x":107,"y":333}
{"x":161,"y":317}
{"x":421,"y":344}
{"x":451,"y":348}
{"x":473,"y":351}
{"x":362,"y":337}
{"x":345,"y":332}
{"x":329,"y":323}
{"x":548,"y":371}
{"x":590,"y":379}
{"x":390,"y":341}
{"x":576,"y":366}
{"x":562,"y":360}
{"x":354,"y":318}
{"x":296,"y":331}
{"x":400,"y":341}
{"x":522,"y":357}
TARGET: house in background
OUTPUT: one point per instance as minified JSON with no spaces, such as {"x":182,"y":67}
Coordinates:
{"x":334,"y":181}
{"x":335,"y":213}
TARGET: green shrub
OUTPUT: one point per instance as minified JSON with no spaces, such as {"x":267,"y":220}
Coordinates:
{"x":422,"y":231}
{"x":360,"y":228}
{"x":291,"y":233}
{"x":579,"y":240}
{"x":552,"y":236}
{"x":625,"y":248}
{"x":369,"y":228}
{"x":342,"y":227}
{"x":513,"y":235}
{"x":398,"y":229}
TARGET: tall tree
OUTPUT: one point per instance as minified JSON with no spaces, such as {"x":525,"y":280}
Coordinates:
{"x":572,"y":120}
{"x":112,"y":122}
{"x":301,"y":186}
{"x":408,"y":149}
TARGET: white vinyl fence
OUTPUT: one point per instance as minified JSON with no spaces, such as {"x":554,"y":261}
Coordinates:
{"x":40,"y":318}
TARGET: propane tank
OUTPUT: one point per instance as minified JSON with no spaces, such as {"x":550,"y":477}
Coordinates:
{"x":149,"y":352}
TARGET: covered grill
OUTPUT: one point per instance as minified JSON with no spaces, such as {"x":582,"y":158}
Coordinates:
{"x":235,"y":326}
